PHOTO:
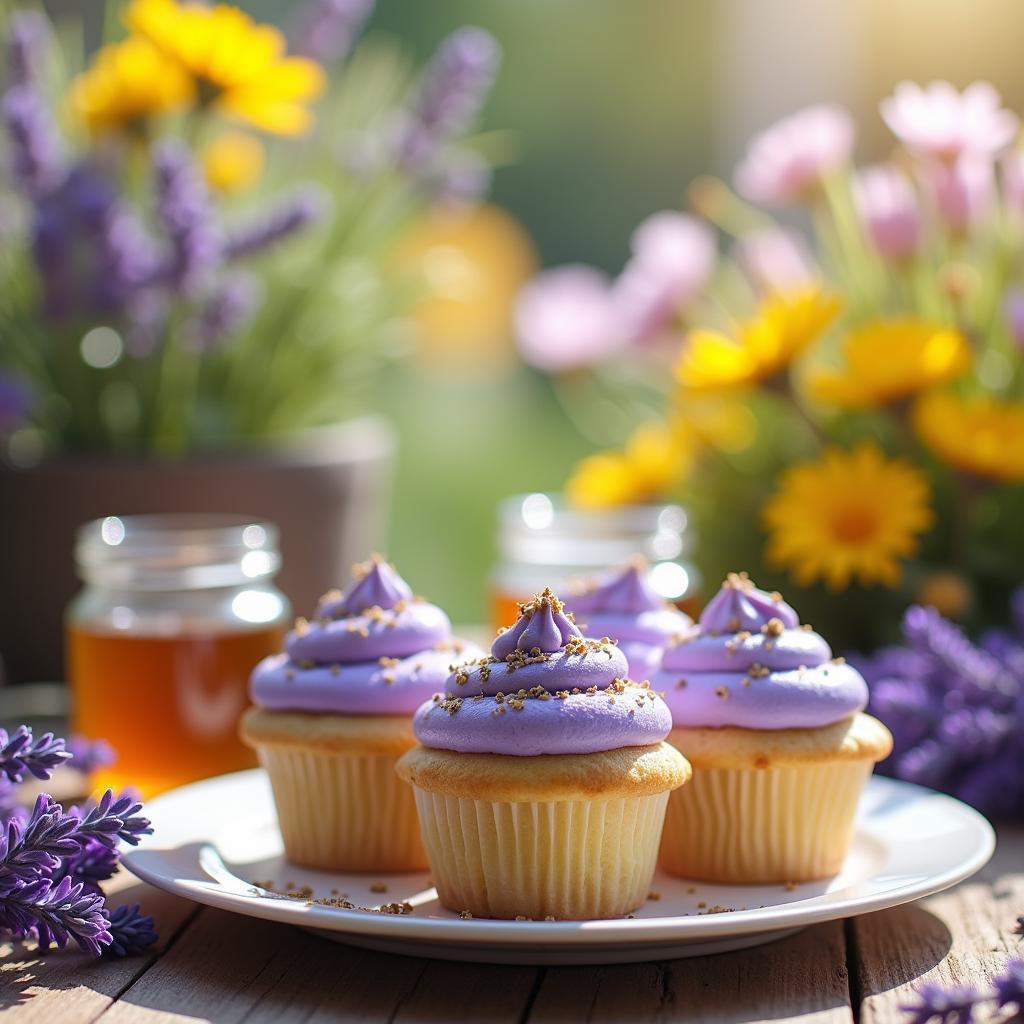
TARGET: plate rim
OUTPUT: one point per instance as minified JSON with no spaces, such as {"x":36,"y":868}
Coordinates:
{"x":454,"y":931}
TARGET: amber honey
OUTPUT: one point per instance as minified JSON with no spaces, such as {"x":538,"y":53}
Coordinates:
{"x":168,"y":704}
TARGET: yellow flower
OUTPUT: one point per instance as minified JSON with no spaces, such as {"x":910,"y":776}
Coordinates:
{"x":890,"y":359}
{"x":472,"y":264}
{"x":239,"y":66}
{"x":784,"y":326}
{"x":853,"y":514}
{"x":982,"y":435}
{"x":656,"y":458}
{"x":127,"y":83}
{"x":232,"y":161}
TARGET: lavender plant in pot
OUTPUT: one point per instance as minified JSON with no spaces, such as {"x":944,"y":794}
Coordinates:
{"x":196,"y":278}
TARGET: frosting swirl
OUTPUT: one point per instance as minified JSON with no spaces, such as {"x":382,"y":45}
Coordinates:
{"x":373,"y":649}
{"x":544,"y":689}
{"x":623,"y":605}
{"x":751,"y":664}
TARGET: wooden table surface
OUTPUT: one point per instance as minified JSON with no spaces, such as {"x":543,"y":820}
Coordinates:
{"x":215,"y":966}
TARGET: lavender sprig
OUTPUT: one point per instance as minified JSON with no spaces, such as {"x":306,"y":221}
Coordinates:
{"x":288,"y":218}
{"x":36,"y":846}
{"x":327,"y":29}
{"x":131,"y":931}
{"x":20,"y":753}
{"x":55,"y":914}
{"x":955,"y":709}
{"x":453,"y":90}
{"x":89,"y":755}
{"x":28,"y":39}
{"x":225,"y":311}
{"x":35,"y":151}
{"x":960,"y":1004}
{"x":110,"y":820}
{"x":183,"y":208}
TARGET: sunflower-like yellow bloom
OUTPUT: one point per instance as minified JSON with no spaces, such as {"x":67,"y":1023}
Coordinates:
{"x":784,"y":326}
{"x":127,"y":83}
{"x":891,"y":359}
{"x":854,"y":514}
{"x":239,"y":66}
{"x":655,"y":459}
{"x":981,"y":435}
{"x":232,"y":161}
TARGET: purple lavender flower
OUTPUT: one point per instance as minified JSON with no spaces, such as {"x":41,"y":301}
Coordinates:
{"x":954,"y":1005}
{"x":184,"y":212}
{"x":35,"y":151}
{"x":20,"y":753}
{"x":955,"y":709}
{"x":453,"y":90}
{"x":131,"y":931}
{"x":55,"y":914}
{"x":28,"y":39}
{"x":327,"y":29}
{"x":225,"y":310}
{"x":88,"y":755}
{"x":90,"y":249}
{"x":307,"y":206}
{"x":1010,"y":991}
{"x":37,"y":846}
{"x":16,"y":402}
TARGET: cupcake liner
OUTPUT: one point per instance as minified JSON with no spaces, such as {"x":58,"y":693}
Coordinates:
{"x":788,"y":823}
{"x":343,"y":812}
{"x":567,"y":859}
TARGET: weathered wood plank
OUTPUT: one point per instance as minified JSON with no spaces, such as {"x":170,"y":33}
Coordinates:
{"x":72,"y":988}
{"x":800,"y":977}
{"x":958,"y":937}
{"x":227,"y":968}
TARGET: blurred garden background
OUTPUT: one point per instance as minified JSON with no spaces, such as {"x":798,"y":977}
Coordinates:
{"x":603,"y":112}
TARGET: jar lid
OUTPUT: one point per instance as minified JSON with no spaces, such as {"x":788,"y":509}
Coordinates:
{"x":176,"y":552}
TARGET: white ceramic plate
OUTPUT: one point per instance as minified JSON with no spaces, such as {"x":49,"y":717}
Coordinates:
{"x":214,"y":840}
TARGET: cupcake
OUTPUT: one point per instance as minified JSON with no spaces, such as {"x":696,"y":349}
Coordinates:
{"x":333,"y":714}
{"x":542,"y":778}
{"x":623,"y":605}
{"x":780,"y":747}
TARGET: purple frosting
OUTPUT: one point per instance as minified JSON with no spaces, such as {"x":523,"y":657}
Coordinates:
{"x":624,"y":606}
{"x":751,"y":664}
{"x":544,"y":689}
{"x":373,"y":649}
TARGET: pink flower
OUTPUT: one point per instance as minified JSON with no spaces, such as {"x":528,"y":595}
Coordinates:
{"x":964,"y":191}
{"x":565,"y":319}
{"x":776,"y":260}
{"x":673,"y":257}
{"x":888,"y":207}
{"x":938,"y":121}
{"x":788,"y":160}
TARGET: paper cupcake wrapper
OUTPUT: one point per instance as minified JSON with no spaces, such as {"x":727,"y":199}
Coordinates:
{"x":569,"y":859}
{"x":787,"y":824}
{"x":343,"y":812}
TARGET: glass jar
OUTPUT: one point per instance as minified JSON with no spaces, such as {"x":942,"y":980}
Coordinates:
{"x":174,"y":614}
{"x":544,"y":542}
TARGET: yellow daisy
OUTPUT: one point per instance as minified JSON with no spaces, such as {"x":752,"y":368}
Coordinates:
{"x":784,"y":326}
{"x":890,"y":359}
{"x":852,"y":514}
{"x":126,"y":84}
{"x":239,"y":66}
{"x":232,"y":161}
{"x":654,"y":460}
{"x":982,"y":435}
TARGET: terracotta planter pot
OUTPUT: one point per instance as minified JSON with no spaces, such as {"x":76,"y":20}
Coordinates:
{"x":327,"y":491}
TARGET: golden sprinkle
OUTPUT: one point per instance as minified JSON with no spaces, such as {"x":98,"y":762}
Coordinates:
{"x":757,"y":671}
{"x":465,"y":915}
{"x":773,"y":627}
{"x":378,"y":887}
{"x":722,"y":691}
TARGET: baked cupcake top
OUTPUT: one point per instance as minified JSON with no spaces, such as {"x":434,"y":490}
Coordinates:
{"x":622,"y":604}
{"x":544,"y":689}
{"x":372,"y":649}
{"x":750,"y":663}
